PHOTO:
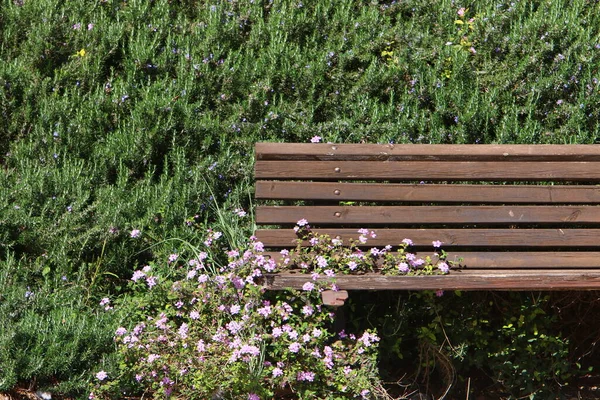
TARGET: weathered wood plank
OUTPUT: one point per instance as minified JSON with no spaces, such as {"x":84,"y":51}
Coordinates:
{"x":425,"y":152}
{"x":456,"y":280}
{"x":505,"y":238}
{"x":346,"y":191}
{"x":513,"y":259}
{"x":414,"y":215}
{"x":432,"y":171}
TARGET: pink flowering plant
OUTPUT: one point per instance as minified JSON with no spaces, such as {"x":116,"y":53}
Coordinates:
{"x":199,"y":330}
{"x":323,"y":256}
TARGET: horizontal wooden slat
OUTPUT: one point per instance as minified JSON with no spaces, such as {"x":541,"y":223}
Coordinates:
{"x":513,"y":259}
{"x":425,"y":152}
{"x":505,"y":238}
{"x":397,"y":192}
{"x":456,"y":280}
{"x":433,"y":171}
{"x":414,"y":215}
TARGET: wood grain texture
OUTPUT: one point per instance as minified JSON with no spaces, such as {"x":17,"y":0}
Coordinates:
{"x":449,"y":193}
{"x":456,"y":280}
{"x":416,"y":215}
{"x":429,"y":171}
{"x":425,"y":152}
{"x":486,"y":238}
{"x":513,"y":259}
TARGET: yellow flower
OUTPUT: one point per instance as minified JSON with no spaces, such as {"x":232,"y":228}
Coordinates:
{"x":80,"y":53}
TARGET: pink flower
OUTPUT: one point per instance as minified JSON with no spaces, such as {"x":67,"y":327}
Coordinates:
{"x":316,"y":139}
{"x":308,"y":286}
{"x":253,"y":396}
{"x":120,"y":331}
{"x":461,"y":12}
{"x":101,"y":375}
{"x":439,"y":293}
{"x":407,"y":242}
{"x":437,"y":243}
{"x":277,"y":372}
{"x":136,"y":233}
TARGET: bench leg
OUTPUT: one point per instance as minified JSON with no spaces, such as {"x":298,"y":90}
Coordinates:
{"x":335,"y":300}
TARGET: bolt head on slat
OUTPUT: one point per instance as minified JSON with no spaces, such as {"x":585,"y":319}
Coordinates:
{"x":336,"y":192}
{"x":337,"y":169}
{"x":337,"y":214}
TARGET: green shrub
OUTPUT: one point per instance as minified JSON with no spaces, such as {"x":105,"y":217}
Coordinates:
{"x":119,"y":115}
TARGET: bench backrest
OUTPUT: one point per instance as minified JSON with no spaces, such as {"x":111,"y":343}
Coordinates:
{"x":539,"y":202}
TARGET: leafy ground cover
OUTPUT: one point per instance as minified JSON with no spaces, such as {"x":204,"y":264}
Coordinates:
{"x":127,"y":130}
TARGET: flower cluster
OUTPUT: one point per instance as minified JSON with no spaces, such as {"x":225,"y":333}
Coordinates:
{"x":221,"y":332}
{"x":321,"y":255}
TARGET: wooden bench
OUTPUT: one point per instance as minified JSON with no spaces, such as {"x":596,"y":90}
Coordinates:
{"x":521,"y":217}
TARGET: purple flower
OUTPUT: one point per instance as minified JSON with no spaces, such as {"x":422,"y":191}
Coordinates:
{"x":234,"y":327}
{"x":306,"y":376}
{"x":407,"y":242}
{"x":321,"y":261}
{"x":294,"y":347}
{"x":302,"y":222}
{"x":136,"y":233}
{"x":120,"y":331}
{"x":173,"y":257}
{"x":443,"y":267}
{"x":101,"y":375}
{"x":277,"y":372}
{"x":403,"y":267}
{"x":77,"y":26}
{"x":308,"y":310}
{"x":137,"y":275}
{"x":105,"y":301}
{"x":151,"y":281}
{"x":253,"y":396}
{"x":90,"y":26}
{"x":316,"y":139}
{"x":437,"y":243}
{"x":308,"y":286}
{"x":251,"y":350}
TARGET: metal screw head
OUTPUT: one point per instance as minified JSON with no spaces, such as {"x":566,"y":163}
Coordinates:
{"x":337,"y":214}
{"x":337,"y":169}
{"x":336,"y":192}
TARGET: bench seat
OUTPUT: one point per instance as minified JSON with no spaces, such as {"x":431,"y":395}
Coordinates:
{"x":518,"y":217}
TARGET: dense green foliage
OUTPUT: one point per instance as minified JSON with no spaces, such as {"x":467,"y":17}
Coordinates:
{"x":124,"y":115}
